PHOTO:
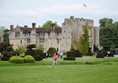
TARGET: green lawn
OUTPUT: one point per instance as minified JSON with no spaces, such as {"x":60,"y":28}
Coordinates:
{"x":59,"y":74}
{"x":83,"y":70}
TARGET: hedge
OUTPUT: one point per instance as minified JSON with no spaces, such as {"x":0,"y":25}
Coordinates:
{"x":29,"y":59}
{"x":16,"y":59}
{"x":69,"y":58}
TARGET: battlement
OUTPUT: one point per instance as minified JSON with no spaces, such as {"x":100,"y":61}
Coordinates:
{"x":81,"y":20}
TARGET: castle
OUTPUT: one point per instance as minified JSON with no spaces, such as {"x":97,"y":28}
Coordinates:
{"x":61,"y":38}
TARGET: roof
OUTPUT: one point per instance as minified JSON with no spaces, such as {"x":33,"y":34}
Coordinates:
{"x":40,"y":30}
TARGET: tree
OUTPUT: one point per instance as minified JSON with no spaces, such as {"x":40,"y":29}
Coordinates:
{"x":105,"y":22}
{"x":34,"y":52}
{"x":3,"y":46}
{"x":48,"y":24}
{"x":6,"y":50}
{"x":6,"y":36}
{"x":108,"y":33}
{"x":51,"y":51}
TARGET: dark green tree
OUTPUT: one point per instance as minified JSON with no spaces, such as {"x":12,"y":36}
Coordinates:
{"x":6,"y":36}
{"x":108,"y":33}
{"x":51,"y":51}
{"x":3,"y":46}
{"x":105,"y":22}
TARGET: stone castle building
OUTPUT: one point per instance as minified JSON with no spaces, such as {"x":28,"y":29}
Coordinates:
{"x":61,"y":38}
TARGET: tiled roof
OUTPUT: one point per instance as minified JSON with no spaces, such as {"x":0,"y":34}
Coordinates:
{"x":40,"y":30}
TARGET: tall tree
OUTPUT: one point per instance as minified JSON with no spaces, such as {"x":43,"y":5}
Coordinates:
{"x":108,"y":33}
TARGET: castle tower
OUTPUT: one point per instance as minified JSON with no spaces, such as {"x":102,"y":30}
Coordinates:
{"x":75,"y":26}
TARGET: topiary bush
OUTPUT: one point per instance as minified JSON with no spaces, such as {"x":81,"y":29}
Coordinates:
{"x":43,"y":55}
{"x":51,"y":51}
{"x":16,"y":59}
{"x":36,"y":54}
{"x":100,"y":54}
{"x":77,"y":53}
{"x":69,"y":58}
{"x":29,"y":59}
{"x":70,"y":54}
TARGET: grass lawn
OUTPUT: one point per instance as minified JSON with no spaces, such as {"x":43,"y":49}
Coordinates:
{"x":59,"y":74}
{"x":42,"y":72}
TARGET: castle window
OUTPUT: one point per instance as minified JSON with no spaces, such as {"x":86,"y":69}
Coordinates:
{"x":21,"y":41}
{"x":57,"y":40}
{"x":17,"y":34}
{"x":28,"y":40}
{"x":41,"y":40}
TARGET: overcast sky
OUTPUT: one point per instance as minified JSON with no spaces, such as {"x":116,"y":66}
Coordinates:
{"x":24,"y":12}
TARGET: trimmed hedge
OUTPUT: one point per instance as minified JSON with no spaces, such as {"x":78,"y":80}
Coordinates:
{"x":43,"y":55}
{"x":69,"y":58}
{"x":36,"y":54}
{"x":100,"y":54}
{"x":16,"y":59}
{"x":29,"y":59}
{"x":70,"y":54}
{"x":77,"y":53}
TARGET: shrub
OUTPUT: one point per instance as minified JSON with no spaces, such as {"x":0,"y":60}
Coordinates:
{"x":70,"y":54}
{"x":16,"y":59}
{"x":77,"y":53}
{"x":6,"y":56}
{"x":21,"y":49}
{"x":36,"y":54}
{"x":29,"y":59}
{"x":100,"y":54}
{"x":31,"y":46}
{"x":69,"y":58}
{"x":111,"y":54}
{"x":51,"y":51}
{"x":43,"y":55}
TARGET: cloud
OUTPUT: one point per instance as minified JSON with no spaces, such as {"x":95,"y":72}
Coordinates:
{"x":26,"y":11}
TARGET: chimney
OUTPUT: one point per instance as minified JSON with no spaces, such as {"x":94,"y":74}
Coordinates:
{"x":33,"y":25}
{"x":11,"y":28}
{"x":53,"y":27}
{"x":25,"y":26}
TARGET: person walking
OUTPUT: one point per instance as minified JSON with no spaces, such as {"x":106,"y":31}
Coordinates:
{"x":55,"y":57}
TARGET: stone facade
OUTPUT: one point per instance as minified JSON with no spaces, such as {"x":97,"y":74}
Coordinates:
{"x":61,"y":38}
{"x":76,"y":26}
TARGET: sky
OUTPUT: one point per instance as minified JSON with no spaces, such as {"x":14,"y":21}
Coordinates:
{"x":25,"y":12}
